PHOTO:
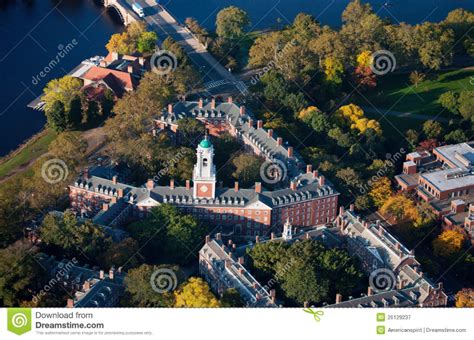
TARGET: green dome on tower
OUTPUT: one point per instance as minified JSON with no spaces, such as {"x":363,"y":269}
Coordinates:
{"x":205,"y":143}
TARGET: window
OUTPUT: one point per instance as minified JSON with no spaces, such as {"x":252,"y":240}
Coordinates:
{"x":204,"y":162}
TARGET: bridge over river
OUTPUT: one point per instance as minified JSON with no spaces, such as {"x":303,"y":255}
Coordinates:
{"x":216,"y":77}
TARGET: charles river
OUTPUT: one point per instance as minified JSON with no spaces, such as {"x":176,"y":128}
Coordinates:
{"x":33,"y":32}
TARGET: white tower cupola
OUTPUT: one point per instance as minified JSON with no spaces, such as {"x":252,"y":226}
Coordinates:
{"x":204,"y":173}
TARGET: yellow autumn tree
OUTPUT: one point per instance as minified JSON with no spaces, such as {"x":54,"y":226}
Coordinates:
{"x":333,"y":69}
{"x":465,"y":298}
{"x":381,"y":191}
{"x":356,"y":117}
{"x":305,"y":114}
{"x":364,"y":59}
{"x":448,"y":243}
{"x":401,"y":207}
{"x":195,"y":293}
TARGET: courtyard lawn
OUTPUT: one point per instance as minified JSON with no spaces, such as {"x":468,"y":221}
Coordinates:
{"x":30,"y":151}
{"x":395,"y":92}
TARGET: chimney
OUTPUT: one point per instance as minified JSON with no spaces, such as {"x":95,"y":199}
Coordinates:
{"x":114,"y":179}
{"x":150,"y":184}
{"x":250,"y":122}
{"x":315,"y":173}
{"x":218,"y":236}
{"x":105,"y":206}
{"x":341,"y":210}
{"x":322,"y":180}
{"x":400,"y":284}
{"x":242,"y":110}
{"x":111,"y":274}
{"x":130,"y":69}
{"x":229,"y":99}
{"x":241,"y":271}
{"x":229,"y":243}
{"x":293,"y":185}
{"x":241,"y":260}
{"x":213,"y":103}
{"x":369,"y":291}
{"x":141,"y":61}
{"x":270,"y":133}
{"x":236,"y":186}
{"x":259,"y":124}
{"x":290,"y":152}
{"x":272,"y":236}
{"x":279,"y":141}
{"x":86,"y":286}
{"x":120,"y":193}
{"x":227,"y":263}
{"x":351,"y":207}
{"x":309,"y":168}
{"x":170,"y":108}
{"x":306,"y":304}
{"x":338,"y":298}
{"x":115,"y":56}
{"x":257,"y":239}
{"x":171,"y":183}
{"x":113,"y":200}
{"x":200,"y":103}
{"x":101,"y":275}
{"x":188,"y":184}
{"x":70,"y":303}
{"x":208,"y":238}
{"x":103,"y":63}
{"x":86,"y":173}
{"x":258,"y":187}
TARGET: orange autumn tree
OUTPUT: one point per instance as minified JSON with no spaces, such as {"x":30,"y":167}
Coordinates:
{"x":401,"y":207}
{"x":448,"y":243}
{"x":465,"y":298}
{"x":381,"y":191}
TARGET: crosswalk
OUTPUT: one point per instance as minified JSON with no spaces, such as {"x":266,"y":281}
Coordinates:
{"x":240,"y":85}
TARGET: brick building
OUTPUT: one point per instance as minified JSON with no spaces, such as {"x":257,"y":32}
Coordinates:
{"x":445,"y":179}
{"x":309,"y":200}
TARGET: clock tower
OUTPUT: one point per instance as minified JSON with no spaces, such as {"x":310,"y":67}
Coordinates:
{"x":204,"y":174}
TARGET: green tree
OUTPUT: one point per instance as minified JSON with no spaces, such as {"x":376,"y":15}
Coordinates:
{"x":69,"y":147}
{"x":139,"y":291}
{"x":18,"y":273}
{"x":231,"y":22}
{"x":56,"y":116}
{"x":432,"y":129}
{"x":231,"y":299}
{"x":434,"y":45}
{"x":147,"y":42}
{"x":191,"y":131}
{"x":247,"y":168}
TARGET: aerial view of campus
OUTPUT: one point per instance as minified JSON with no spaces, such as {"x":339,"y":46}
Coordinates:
{"x":266,"y":160}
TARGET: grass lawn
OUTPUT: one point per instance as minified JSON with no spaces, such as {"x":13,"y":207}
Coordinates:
{"x":397,"y":93}
{"x":33,"y":149}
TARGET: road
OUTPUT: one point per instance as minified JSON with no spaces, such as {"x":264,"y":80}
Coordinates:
{"x":215,"y":76}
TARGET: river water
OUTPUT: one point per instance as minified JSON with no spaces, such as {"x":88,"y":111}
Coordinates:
{"x":32,"y":32}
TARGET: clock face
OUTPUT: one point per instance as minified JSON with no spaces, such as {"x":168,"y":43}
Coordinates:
{"x":203,"y":188}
